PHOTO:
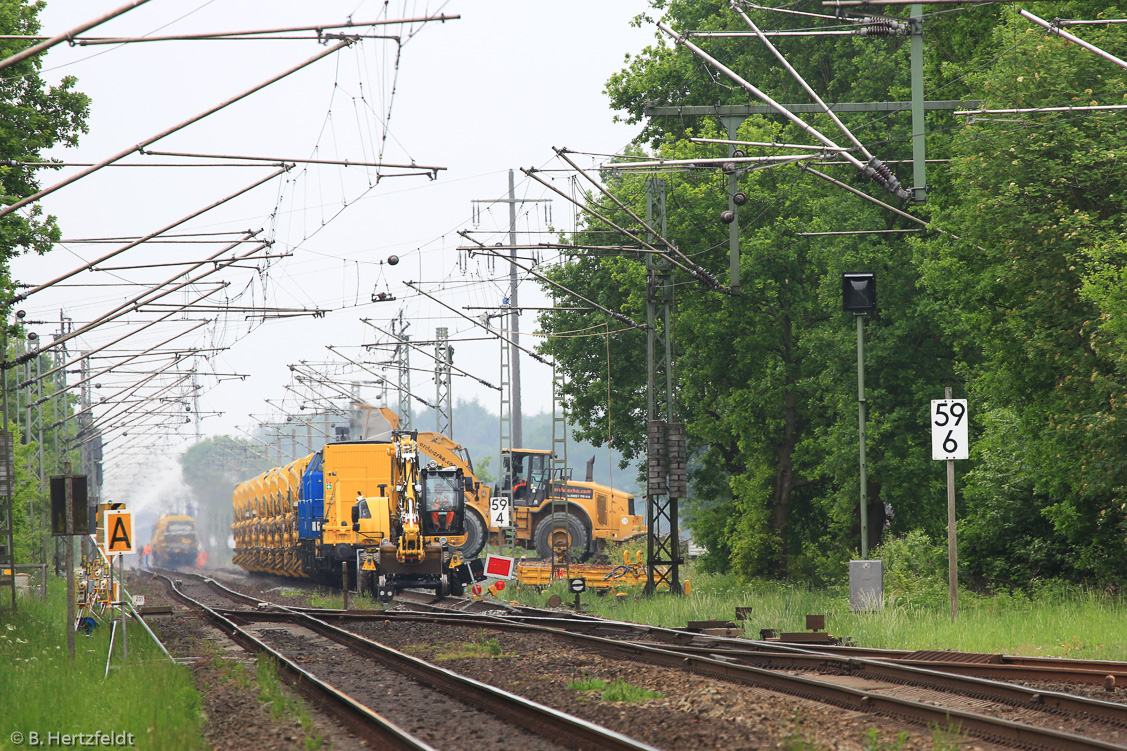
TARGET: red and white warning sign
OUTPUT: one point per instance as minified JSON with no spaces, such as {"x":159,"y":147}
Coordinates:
{"x":499,"y":566}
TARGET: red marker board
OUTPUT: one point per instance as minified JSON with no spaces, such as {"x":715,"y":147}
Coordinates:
{"x":499,"y":566}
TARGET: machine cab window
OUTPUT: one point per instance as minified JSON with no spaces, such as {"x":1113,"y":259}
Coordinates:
{"x":530,"y":472}
{"x":442,"y":503}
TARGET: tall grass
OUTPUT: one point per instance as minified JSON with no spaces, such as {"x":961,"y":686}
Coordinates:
{"x":42,"y":692}
{"x":1054,"y":620}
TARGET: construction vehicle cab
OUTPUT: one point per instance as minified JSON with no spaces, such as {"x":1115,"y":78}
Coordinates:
{"x":530,"y":472}
{"x":442,"y":502}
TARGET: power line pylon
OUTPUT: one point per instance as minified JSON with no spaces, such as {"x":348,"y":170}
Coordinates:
{"x":402,"y":356}
{"x":443,"y":359}
{"x":664,"y":438}
{"x":514,"y":302}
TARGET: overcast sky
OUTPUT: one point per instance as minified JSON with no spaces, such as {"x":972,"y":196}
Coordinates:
{"x":491,"y":91}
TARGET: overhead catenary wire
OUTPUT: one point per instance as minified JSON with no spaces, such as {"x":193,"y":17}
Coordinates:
{"x":1088,"y":22}
{"x":130,"y":388}
{"x":248,"y":35}
{"x":867,"y":3}
{"x":788,"y":11}
{"x":698,"y":273}
{"x":709,"y":162}
{"x":765,"y":144}
{"x":880,"y":203}
{"x":121,"y":411}
{"x":89,"y":354}
{"x":287,"y":160}
{"x":5,"y":210}
{"x":802,"y":82}
{"x":365,"y":368}
{"x":1038,"y":110}
{"x":414,"y":346}
{"x":1053,"y":29}
{"x":199,"y":212}
{"x":875,"y":169}
{"x":111,"y":368}
{"x":68,"y":35}
{"x":132,"y":304}
{"x":612,"y":313}
{"x":476,"y":322}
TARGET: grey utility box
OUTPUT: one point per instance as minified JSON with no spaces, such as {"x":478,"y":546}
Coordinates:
{"x":866,"y":585}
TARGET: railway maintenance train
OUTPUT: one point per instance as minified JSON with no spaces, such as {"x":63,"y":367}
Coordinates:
{"x":368,"y":507}
{"x":174,"y":541}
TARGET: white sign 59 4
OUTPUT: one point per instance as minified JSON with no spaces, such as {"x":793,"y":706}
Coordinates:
{"x":949,"y":435}
{"x":500,"y":513}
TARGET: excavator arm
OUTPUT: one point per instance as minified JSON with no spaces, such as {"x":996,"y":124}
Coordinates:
{"x":410,"y":547}
{"x":449,"y":453}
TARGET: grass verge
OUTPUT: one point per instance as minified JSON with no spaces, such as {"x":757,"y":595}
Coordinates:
{"x":150,"y":696}
{"x":282,"y":705}
{"x":1051,"y":621}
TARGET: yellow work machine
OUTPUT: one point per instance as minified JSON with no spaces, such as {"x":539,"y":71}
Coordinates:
{"x":365,"y":508}
{"x":595,"y":514}
{"x":406,"y":533}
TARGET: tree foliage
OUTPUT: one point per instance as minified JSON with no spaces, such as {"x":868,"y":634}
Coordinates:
{"x":34,"y":117}
{"x":1017,"y":304}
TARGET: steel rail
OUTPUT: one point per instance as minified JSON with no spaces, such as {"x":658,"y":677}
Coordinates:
{"x":931,"y":674}
{"x":369,"y":725}
{"x":1053,"y":668}
{"x":982,"y":726}
{"x":553,"y":723}
{"x":543,"y":720}
{"x":1106,"y":666}
{"x":914,"y":673}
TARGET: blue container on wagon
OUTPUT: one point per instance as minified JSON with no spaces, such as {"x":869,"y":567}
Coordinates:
{"x":311,"y":506}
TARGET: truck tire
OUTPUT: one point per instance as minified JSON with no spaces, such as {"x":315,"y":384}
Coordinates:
{"x":476,"y":535}
{"x":578,"y":538}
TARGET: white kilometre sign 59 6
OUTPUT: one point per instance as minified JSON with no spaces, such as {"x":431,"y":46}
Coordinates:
{"x":500,"y":513}
{"x":949,"y":429}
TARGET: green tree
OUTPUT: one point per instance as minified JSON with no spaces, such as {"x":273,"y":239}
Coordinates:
{"x":766,"y":381}
{"x":1035,"y":304}
{"x":34,"y":117}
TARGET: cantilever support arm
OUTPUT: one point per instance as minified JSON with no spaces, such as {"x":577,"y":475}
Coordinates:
{"x":874,"y":168}
{"x":1053,"y":29}
{"x":140,"y":147}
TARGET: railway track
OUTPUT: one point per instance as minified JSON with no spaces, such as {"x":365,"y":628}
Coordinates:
{"x":424,"y":706}
{"x":913,"y":694}
{"x":898,"y":688}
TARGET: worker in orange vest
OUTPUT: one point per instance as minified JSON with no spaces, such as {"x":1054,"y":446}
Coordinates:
{"x":201,"y":559}
{"x":146,"y":552}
